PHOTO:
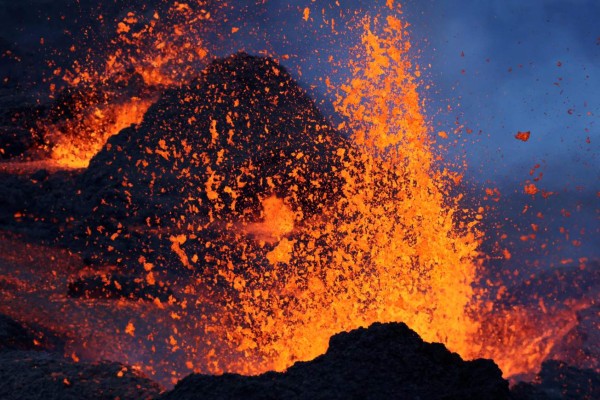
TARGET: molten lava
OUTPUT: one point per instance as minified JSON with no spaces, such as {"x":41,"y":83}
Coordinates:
{"x":391,"y":248}
{"x":149,"y":54}
{"x":278,"y":221}
{"x":77,"y":141}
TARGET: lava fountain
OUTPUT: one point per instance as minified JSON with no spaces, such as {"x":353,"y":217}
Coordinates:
{"x":390,"y":249}
{"x":290,"y":239}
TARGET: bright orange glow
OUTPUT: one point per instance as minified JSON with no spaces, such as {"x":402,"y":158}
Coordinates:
{"x":266,"y":286}
{"x":530,"y":188}
{"x":390,"y":248}
{"x":519,"y":339}
{"x":278,"y":221}
{"x":161,"y":54}
{"x":78,"y":140}
{"x":523,"y":136}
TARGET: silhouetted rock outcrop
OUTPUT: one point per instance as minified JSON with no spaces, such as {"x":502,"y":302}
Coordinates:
{"x":385,"y":361}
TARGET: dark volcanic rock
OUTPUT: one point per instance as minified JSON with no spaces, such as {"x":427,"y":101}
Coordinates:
{"x":558,"y":380}
{"x":38,"y":204}
{"x":18,"y":117}
{"x":15,"y":141}
{"x":385,"y":361}
{"x":14,"y":336}
{"x":27,"y":371}
{"x":40,"y":375}
{"x":205,"y":156}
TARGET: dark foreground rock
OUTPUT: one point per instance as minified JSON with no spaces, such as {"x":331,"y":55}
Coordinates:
{"x":557,"y":380}
{"x":41,"y":375}
{"x":385,"y":361}
{"x":28,"y":371}
{"x":13,"y":336}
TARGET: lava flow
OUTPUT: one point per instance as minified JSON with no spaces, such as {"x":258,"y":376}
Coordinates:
{"x":237,"y":230}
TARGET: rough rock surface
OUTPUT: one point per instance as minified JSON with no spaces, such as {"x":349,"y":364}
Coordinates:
{"x":13,"y":336}
{"x":29,"y":374}
{"x":38,"y":204}
{"x":385,"y":361}
{"x":557,"y":380}
{"x":16,"y":337}
{"x":244,"y":130}
{"x":40,"y":375}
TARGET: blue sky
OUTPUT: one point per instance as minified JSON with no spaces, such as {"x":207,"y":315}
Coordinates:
{"x":508,"y":66}
{"x":527,"y":66}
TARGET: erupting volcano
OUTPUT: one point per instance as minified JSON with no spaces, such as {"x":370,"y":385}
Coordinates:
{"x":179,"y":211}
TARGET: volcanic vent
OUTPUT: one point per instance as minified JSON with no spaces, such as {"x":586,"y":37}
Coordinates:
{"x":200,"y":207}
{"x":260,"y":230}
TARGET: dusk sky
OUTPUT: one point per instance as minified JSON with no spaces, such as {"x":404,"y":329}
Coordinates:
{"x":527,"y":66}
